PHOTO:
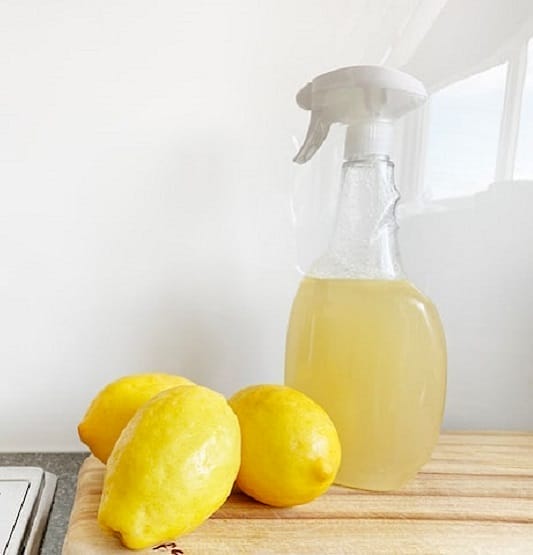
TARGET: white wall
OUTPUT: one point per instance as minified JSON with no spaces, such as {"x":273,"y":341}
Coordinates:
{"x":144,"y":223}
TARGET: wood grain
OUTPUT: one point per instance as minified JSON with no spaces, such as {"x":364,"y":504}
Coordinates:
{"x":474,"y":496}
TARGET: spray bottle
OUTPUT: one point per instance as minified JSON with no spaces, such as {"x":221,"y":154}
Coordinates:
{"x":362,"y":341}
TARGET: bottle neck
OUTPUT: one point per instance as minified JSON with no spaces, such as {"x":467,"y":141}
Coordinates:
{"x":364,"y":243}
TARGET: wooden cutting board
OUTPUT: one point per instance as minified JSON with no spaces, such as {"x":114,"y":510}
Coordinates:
{"x":474,"y":496}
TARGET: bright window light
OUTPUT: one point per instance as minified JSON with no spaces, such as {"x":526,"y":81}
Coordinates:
{"x":464,"y":128}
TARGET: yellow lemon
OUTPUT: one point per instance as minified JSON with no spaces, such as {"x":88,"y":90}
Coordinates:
{"x":113,"y":407}
{"x":172,"y":467}
{"x":290,"y":447}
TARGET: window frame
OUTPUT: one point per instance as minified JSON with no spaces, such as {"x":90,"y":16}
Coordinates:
{"x":415,"y":132}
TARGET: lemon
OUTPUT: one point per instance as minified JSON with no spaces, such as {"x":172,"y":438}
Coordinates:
{"x":112,"y":408}
{"x":290,"y":447}
{"x":173,"y":465}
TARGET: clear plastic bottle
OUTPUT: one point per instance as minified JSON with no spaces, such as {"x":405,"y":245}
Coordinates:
{"x":362,"y":340}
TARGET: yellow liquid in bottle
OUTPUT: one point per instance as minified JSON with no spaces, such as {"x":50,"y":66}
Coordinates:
{"x":372,"y":353}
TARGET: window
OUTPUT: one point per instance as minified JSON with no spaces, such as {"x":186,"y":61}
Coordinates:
{"x":524,"y":153}
{"x":463,"y":135}
{"x":472,"y":133}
